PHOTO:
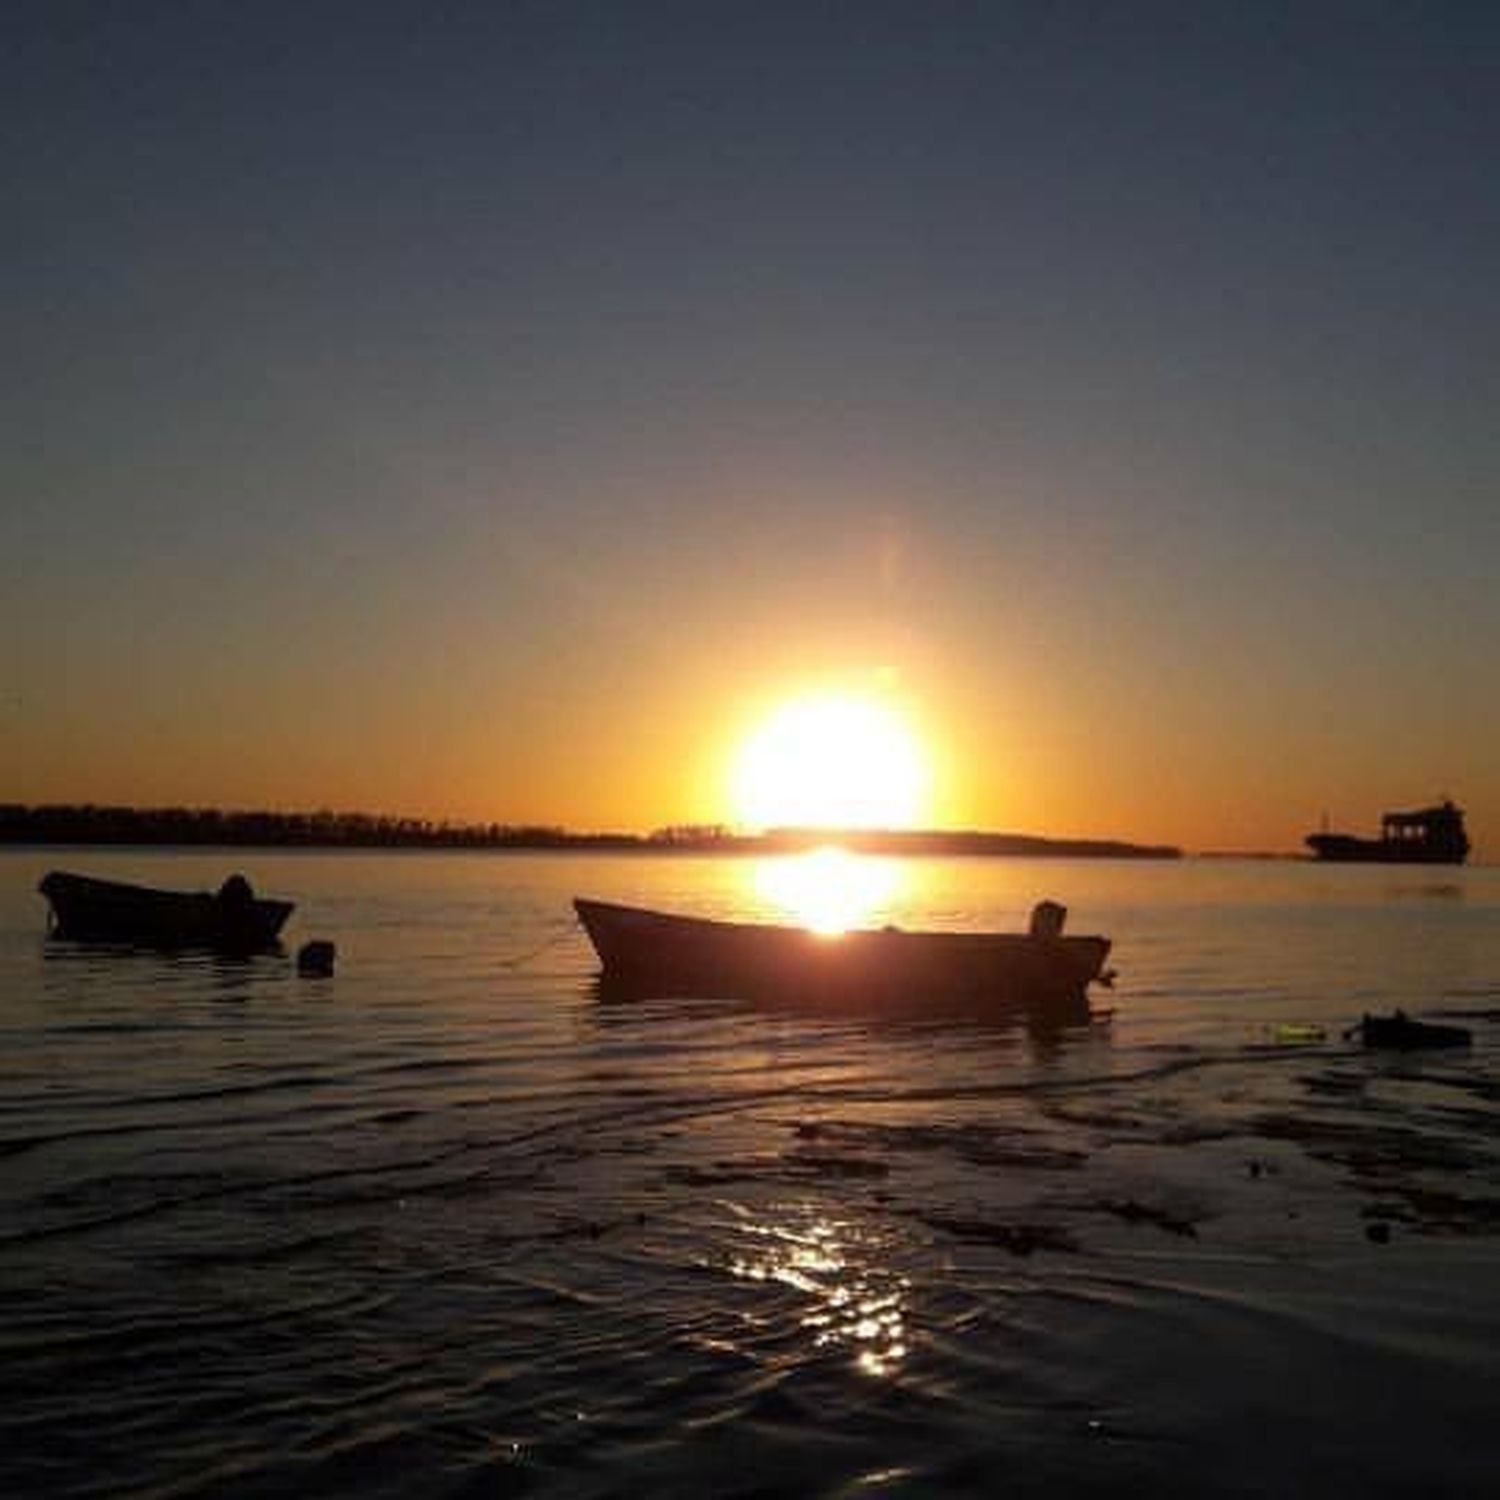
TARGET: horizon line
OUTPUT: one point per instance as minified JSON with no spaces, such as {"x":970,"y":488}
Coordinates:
{"x":90,"y":822}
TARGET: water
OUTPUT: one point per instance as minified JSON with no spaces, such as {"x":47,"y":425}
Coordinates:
{"x":446,"y":1224}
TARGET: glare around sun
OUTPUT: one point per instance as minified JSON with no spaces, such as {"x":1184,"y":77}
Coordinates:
{"x":831,"y":762}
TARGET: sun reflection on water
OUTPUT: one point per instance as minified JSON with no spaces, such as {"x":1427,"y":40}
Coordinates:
{"x":829,"y":890}
{"x":855,"y":1304}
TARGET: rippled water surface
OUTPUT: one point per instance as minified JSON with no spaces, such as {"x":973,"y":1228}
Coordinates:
{"x":449,"y":1224}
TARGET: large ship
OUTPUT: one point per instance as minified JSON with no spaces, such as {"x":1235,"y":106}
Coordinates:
{"x":1428,"y":836}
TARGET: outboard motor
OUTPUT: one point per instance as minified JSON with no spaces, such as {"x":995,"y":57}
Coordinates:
{"x":1047,"y":918}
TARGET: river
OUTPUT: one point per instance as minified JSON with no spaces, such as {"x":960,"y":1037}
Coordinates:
{"x":447,"y":1223}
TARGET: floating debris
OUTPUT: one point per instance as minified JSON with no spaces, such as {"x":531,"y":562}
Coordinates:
{"x":1294,"y":1032}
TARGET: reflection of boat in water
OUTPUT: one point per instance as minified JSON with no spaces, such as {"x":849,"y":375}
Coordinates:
{"x":884,"y":970}
{"x":231,"y":919}
{"x":1429,"y":836}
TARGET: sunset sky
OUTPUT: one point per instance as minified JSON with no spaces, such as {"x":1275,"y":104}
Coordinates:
{"x":498,"y":410}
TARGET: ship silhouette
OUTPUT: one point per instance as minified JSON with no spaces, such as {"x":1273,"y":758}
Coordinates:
{"x":1428,"y":836}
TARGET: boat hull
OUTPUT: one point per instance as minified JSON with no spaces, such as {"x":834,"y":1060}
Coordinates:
{"x":1343,"y":848}
{"x":109,"y":911}
{"x":652,"y":953}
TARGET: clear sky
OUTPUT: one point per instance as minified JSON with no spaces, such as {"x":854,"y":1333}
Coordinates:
{"x":494,"y":410}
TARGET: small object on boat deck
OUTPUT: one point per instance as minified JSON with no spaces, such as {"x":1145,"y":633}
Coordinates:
{"x":1399,"y":1030}
{"x":315,"y":958}
{"x":234,"y":919}
{"x":1299,"y":1031}
{"x":887,"y":970}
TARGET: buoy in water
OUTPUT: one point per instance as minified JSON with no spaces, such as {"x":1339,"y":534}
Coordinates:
{"x":315,"y":958}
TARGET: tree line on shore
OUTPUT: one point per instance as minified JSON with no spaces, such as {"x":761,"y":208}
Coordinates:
{"x":90,"y":823}
{"x":87,"y":823}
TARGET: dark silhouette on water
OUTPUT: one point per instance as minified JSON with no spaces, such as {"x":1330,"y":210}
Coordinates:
{"x":877,"y":971}
{"x":1428,"y":836}
{"x":315,"y":959}
{"x":1400,"y":1031}
{"x":232,"y":920}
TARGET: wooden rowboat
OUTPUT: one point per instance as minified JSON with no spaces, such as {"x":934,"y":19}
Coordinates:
{"x":885,"y":969}
{"x":232,"y":919}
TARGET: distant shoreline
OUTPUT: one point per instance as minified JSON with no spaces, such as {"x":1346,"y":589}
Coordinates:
{"x":201,"y":828}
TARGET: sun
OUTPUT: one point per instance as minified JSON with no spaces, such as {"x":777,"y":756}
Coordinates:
{"x":832,"y":762}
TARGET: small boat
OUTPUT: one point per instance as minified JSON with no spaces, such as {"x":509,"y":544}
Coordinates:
{"x":1399,"y":1030}
{"x":885,"y":969}
{"x":232,"y":919}
{"x":1428,"y":836}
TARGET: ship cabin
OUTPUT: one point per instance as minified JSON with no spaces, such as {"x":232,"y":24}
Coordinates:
{"x":1440,"y":827}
